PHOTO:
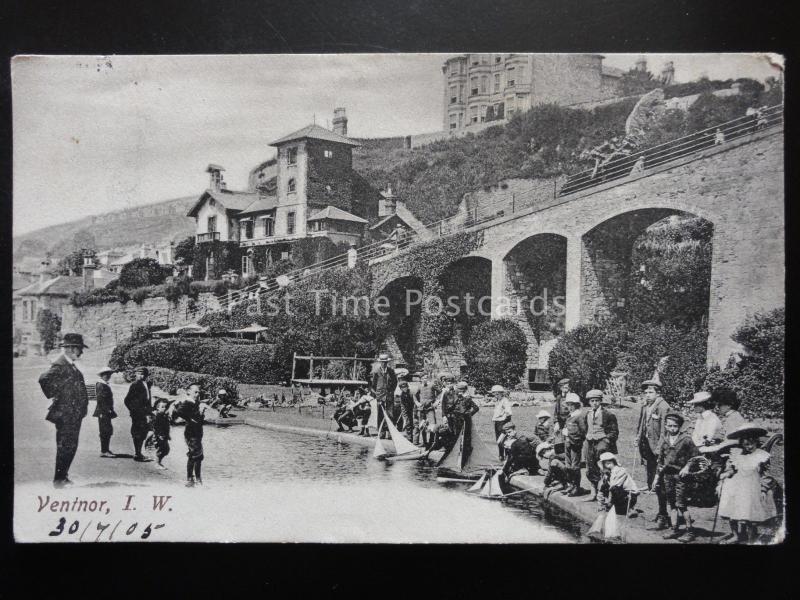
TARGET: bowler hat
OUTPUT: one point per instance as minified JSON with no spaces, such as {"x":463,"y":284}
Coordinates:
{"x":144,"y":370}
{"x":594,"y":394}
{"x":700,"y":397}
{"x":73,"y":339}
{"x":563,"y":381}
{"x":383,"y":357}
{"x":747,"y":430}
{"x":651,"y":382}
{"x":675,"y":416}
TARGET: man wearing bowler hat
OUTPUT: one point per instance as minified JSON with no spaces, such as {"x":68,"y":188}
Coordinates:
{"x":382,"y":386}
{"x":64,"y":386}
{"x":104,"y":411}
{"x":139,"y":402}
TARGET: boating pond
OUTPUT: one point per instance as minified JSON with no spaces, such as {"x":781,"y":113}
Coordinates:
{"x":313,"y":488}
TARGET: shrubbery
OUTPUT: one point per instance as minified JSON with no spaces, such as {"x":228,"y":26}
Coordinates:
{"x":757,"y":372}
{"x":48,"y":324}
{"x":586,"y":355}
{"x":171,"y":381}
{"x":245,"y":362}
{"x":496,"y":354}
{"x":141,"y":272}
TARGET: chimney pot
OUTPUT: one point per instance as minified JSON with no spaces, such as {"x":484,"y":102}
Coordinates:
{"x":340,"y":121}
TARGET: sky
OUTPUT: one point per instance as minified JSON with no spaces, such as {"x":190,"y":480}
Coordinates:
{"x":98,"y":134}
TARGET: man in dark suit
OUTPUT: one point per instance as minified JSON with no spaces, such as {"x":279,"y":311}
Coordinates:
{"x":139,"y":402}
{"x":383,"y":385}
{"x":64,"y":386}
{"x":104,"y":411}
{"x":602,"y":432}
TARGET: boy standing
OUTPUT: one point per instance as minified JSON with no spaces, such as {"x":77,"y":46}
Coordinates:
{"x":674,"y":452}
{"x":501,"y":416}
{"x":574,"y":435}
{"x":161,"y":430}
{"x":192,"y":411}
{"x":650,"y":428}
{"x":601,"y":436}
{"x":104,"y":411}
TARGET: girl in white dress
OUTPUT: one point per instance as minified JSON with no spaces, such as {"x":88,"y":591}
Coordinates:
{"x":741,"y":498}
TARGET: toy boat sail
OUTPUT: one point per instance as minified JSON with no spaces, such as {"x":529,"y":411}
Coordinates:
{"x":468,"y":463}
{"x":402,"y":447}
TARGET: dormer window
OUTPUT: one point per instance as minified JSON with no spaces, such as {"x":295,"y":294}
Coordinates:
{"x":291,"y":186}
{"x":291,"y":156}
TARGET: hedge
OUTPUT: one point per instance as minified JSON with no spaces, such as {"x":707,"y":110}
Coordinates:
{"x":244,"y":362}
{"x":171,"y":381}
{"x":496,"y":354}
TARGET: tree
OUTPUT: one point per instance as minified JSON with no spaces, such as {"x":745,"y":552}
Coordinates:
{"x":636,"y":82}
{"x":184,"y":251}
{"x":496,"y":354}
{"x":142,"y":272}
{"x":48,"y":324}
{"x":586,"y":355}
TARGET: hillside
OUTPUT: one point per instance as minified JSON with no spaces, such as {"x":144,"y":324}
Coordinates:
{"x":160,"y":222}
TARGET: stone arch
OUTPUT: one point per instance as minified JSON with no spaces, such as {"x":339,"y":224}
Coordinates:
{"x":605,"y":259}
{"x":404,"y":317}
{"x":467,"y":284}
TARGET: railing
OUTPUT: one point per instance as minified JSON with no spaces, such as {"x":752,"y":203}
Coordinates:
{"x":654,"y":156}
{"x":212,"y":236}
{"x":515,"y":202}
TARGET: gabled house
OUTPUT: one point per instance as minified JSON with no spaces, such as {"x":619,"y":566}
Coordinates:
{"x":395,"y":219}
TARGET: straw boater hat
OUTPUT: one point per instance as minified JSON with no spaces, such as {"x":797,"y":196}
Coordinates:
{"x":542,"y":413}
{"x":607,"y":456}
{"x":747,"y":430}
{"x":401,"y":372}
{"x":73,"y":339}
{"x":383,"y":357}
{"x":572,"y":399}
{"x":105,"y":370}
{"x":498,"y":389}
{"x":222,"y":392}
{"x":700,"y":398}
{"x":542,"y":447}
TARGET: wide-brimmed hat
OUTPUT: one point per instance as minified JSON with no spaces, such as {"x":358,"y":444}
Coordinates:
{"x":723,"y":445}
{"x":651,"y":382}
{"x":462,"y":385}
{"x":144,"y":370}
{"x":543,"y":413}
{"x":508,"y":425}
{"x":542,"y":447}
{"x":594,"y":394}
{"x":747,"y":430}
{"x":401,"y":372}
{"x":105,"y":370}
{"x":383,"y":357}
{"x":73,"y":339}
{"x":700,"y":398}
{"x":563,"y":381}
{"x":675,"y":416}
{"x":497,"y":389}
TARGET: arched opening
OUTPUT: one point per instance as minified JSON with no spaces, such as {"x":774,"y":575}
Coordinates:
{"x":404,"y":319}
{"x":535,"y":296}
{"x":650,"y":266}
{"x":467,"y":285}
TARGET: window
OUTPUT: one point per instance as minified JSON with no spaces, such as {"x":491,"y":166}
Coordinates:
{"x":269,"y":227}
{"x":453,"y":123}
{"x":212,"y":224}
{"x":284,"y":255}
{"x":453,"y":94}
{"x":497,"y":82}
{"x":247,"y":265}
{"x":290,"y":223}
{"x":328,"y":153}
{"x":510,"y":77}
{"x":475,"y":61}
{"x":484,"y":84}
{"x":483,"y":113}
{"x":497,"y":59}
{"x":291,"y":186}
{"x":291,"y":156}
{"x":473,"y":114}
{"x":247,"y":229}
{"x":521,"y":74}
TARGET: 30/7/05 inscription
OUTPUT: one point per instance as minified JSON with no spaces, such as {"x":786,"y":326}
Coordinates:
{"x":101,"y":507}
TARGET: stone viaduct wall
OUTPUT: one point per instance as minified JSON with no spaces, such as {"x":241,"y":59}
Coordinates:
{"x":737,"y":186}
{"x":104,"y":325}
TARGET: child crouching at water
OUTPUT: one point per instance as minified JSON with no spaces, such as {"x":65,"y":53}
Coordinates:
{"x":161,"y":429}
{"x":557,"y":477}
{"x":616,"y":496}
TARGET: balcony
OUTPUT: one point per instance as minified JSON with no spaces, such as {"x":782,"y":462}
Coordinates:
{"x":212,"y":236}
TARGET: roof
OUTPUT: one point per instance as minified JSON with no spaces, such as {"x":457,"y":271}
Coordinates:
{"x":122,"y":260}
{"x":315,"y":132}
{"x":262,"y":204}
{"x":193,"y":327}
{"x":612,"y":71}
{"x":19,"y":281}
{"x":213,"y":167}
{"x":63,"y":285}
{"x":254,"y":328}
{"x":336,"y":214}
{"x":230,"y":200}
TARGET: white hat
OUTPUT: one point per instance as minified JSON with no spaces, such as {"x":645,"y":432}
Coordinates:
{"x":383,"y":357}
{"x":542,"y":447}
{"x":542,"y":413}
{"x":401,"y":372}
{"x":462,"y":385}
{"x":572,"y":398}
{"x":222,"y":391}
{"x":608,"y":456}
{"x":700,"y":397}
{"x":497,"y":389}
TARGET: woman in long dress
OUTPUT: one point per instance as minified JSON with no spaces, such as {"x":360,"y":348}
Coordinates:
{"x":741,"y":499}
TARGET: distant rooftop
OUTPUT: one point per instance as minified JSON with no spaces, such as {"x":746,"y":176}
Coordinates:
{"x":336,"y":214}
{"x":315,"y":132}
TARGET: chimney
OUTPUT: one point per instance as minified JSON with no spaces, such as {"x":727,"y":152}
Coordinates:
{"x":215,"y":177}
{"x":641,"y":64}
{"x":44,"y":266}
{"x":668,"y":73}
{"x":88,"y":270}
{"x":340,"y":121}
{"x":387,"y":204}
